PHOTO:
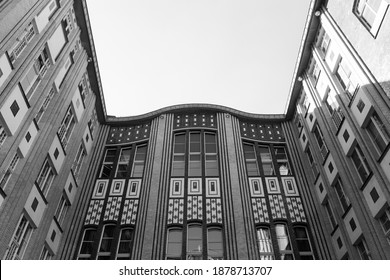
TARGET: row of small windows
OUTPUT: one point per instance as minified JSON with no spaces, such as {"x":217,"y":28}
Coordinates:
{"x":195,"y":154}
{"x":267,"y":161}
{"x":123,"y":162}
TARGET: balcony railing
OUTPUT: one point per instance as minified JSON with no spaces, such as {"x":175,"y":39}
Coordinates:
{"x":22,"y":43}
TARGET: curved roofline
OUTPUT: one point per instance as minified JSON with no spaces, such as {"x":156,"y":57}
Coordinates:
{"x":195,"y":107}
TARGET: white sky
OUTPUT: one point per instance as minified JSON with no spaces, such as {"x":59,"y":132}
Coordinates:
{"x":158,"y":53}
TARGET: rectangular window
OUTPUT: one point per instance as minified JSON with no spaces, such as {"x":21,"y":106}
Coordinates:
{"x":320,"y":141}
{"x":195,"y":158}
{"x":371,"y":13}
{"x":214,"y":244}
{"x":311,"y":161}
{"x":362,"y":250}
{"x":45,"y":104}
{"x":325,"y":42}
{"x":45,"y":177}
{"x":81,"y":154}
{"x":139,"y":161}
{"x":174,"y":244}
{"x":21,"y":42}
{"x":334,"y":109}
{"x":378,"y":133}
{"x":346,"y":78}
{"x":125,"y":244}
{"x":62,"y":209}
{"x":194,"y":242}
{"x":87,"y":244}
{"x":45,"y":254}
{"x":331,"y":217}
{"x":284,"y":243}
{"x":385,"y":223}
{"x":8,"y":171}
{"x":20,"y":240}
{"x":3,"y":135}
{"x":303,"y":243}
{"x":250,"y":160}
{"x":360,"y":163}
{"x":264,"y":243}
{"x":266,"y":161}
{"x":66,"y":127}
{"x":108,"y":163}
{"x":106,"y":242}
{"x":123,"y":163}
{"x":315,"y":73}
{"x":344,"y":201}
{"x":211,"y":154}
{"x":282,"y":161}
{"x":178,"y":161}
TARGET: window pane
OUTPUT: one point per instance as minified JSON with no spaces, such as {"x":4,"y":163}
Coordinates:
{"x":266,"y":161}
{"x":215,"y":244}
{"x":194,"y":242}
{"x":265,"y":244}
{"x":251,"y":162}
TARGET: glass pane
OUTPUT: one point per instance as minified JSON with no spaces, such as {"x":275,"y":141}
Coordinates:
{"x":282,"y":236}
{"x":194,"y":239}
{"x":215,"y":244}
{"x":174,"y":246}
{"x":125,"y":155}
{"x":110,"y":155}
{"x":194,"y":142}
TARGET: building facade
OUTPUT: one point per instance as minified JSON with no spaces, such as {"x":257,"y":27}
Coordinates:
{"x":195,"y":181}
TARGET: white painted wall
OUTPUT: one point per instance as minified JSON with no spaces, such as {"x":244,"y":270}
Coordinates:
{"x":42,"y":18}
{"x":56,"y":42}
{"x":24,"y":146}
{"x":5,"y":68}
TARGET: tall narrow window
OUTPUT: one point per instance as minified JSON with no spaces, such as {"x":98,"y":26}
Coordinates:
{"x":139,"y":161}
{"x":211,"y":155}
{"x":385,"y":222}
{"x":303,"y":243}
{"x":264,"y":243}
{"x":250,"y":160}
{"x":45,"y":254}
{"x":45,"y":177}
{"x":66,"y":127}
{"x":344,"y":201}
{"x":195,"y":158}
{"x":367,"y":11}
{"x":282,"y":161}
{"x":123,"y":162}
{"x":81,"y":153}
{"x":108,"y":163}
{"x":346,"y":78}
{"x":87,"y":244}
{"x":179,"y":149}
{"x":360,"y":163}
{"x":311,"y":161}
{"x":266,"y":161}
{"x":20,"y":240}
{"x":8,"y":172}
{"x":125,"y":244}
{"x":194,"y":242}
{"x":284,"y":242}
{"x":362,"y":250}
{"x":106,"y":243}
{"x":320,"y":141}
{"x":174,"y":244}
{"x":325,"y":42}
{"x":62,"y":209}
{"x":331,"y":217}
{"x":378,"y":133}
{"x":214,"y":244}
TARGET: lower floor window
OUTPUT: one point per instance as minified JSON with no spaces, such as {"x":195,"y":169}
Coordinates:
{"x":284,"y":242}
{"x":264,"y":243}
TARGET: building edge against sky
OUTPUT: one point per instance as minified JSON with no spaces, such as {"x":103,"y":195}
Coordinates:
{"x":194,"y":181}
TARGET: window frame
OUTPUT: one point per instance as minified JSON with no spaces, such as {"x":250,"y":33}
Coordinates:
{"x":48,"y":174}
{"x":110,"y":241}
{"x":87,"y":256}
{"x":169,"y":256}
{"x":381,"y":133}
{"x":378,"y":15}
{"x":126,"y":255}
{"x":194,"y":255}
{"x":222,"y":253}
{"x":303,"y":254}
{"x":262,"y":243}
{"x":284,"y":252}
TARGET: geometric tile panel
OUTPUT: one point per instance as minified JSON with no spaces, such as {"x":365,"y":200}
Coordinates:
{"x":113,"y":207}
{"x":129,"y":214}
{"x":277,"y":207}
{"x":195,"y":120}
{"x":177,"y":187}
{"x":256,"y":187}
{"x":194,"y":207}
{"x":213,"y":210}
{"x":295,"y":208}
{"x":175,"y":211}
{"x":212,"y":187}
{"x":94,"y":211}
{"x":100,"y":189}
{"x":260,"y":210}
{"x":122,"y":135}
{"x":194,"y":186}
{"x":266,"y":132}
{"x":272,"y":185}
{"x":290,"y":188}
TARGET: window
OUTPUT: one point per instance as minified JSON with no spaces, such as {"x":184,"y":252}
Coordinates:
{"x":303,"y":243}
{"x":334,"y":108}
{"x":266,"y":161}
{"x":3,"y":135}
{"x":66,"y":127}
{"x":378,"y":132}
{"x":330,"y":214}
{"x":81,"y":154}
{"x":284,"y":242}
{"x":315,"y":73}
{"x":87,"y":244}
{"x":123,"y":162}
{"x":264,"y":243}
{"x":174,"y":244}
{"x":194,"y":242}
{"x":8,"y":171}
{"x":125,"y":244}
{"x":325,"y":42}
{"x":362,"y":250}
{"x":344,"y":201}
{"x":20,"y":240}
{"x":385,"y":223}
{"x":360,"y":163}
{"x":346,"y":78}
{"x":250,"y":160}
{"x":320,"y":141}
{"x":45,"y":104}
{"x":211,"y":156}
{"x":179,"y":149}
{"x":45,"y":177}
{"x":62,"y":209}
{"x":108,"y":163}
{"x":195,"y":158}
{"x":370,"y":13}
{"x":106,"y":243}
{"x":214,"y":244}
{"x":45,"y":254}
{"x":282,"y":161}
{"x":21,"y":43}
{"x":14,"y":108}
{"x":139,"y":161}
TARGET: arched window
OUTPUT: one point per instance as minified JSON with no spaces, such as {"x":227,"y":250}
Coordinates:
{"x":194,"y":242}
{"x":284,"y":242}
{"x":214,"y":244}
{"x":303,"y":243}
{"x":87,"y":244}
{"x":125,"y":244}
{"x":174,"y":244}
{"x":105,"y":246}
{"x":264,"y":243}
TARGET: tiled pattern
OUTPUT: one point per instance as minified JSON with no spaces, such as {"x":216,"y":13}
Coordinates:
{"x":260,"y":210}
{"x":112,"y":208}
{"x":265,"y":132}
{"x":295,"y":208}
{"x":278,"y":210}
{"x":122,"y":135}
{"x":195,"y":120}
{"x":129,"y":214}
{"x":175,"y":211}
{"x":213,"y":210}
{"x":194,"y":208}
{"x":94,"y":211}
